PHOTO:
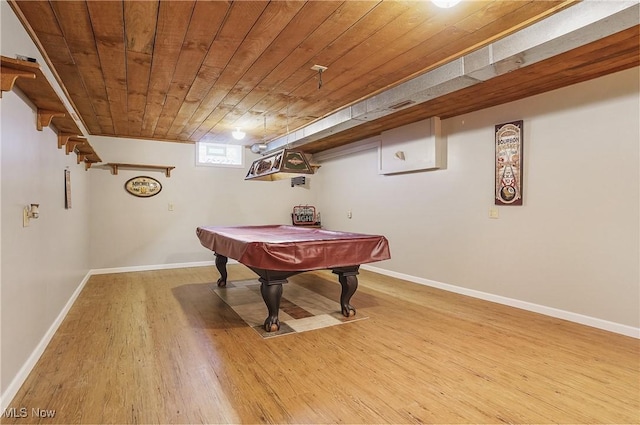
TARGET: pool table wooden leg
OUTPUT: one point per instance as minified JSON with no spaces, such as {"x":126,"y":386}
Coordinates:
{"x":347,"y":276}
{"x":221,"y":265}
{"x":271,"y":294}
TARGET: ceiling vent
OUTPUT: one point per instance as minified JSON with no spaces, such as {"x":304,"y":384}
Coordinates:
{"x":401,"y":105}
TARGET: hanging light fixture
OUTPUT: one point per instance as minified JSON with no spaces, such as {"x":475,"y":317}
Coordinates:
{"x":282,"y":164}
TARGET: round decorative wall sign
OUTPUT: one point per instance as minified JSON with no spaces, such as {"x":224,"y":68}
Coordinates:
{"x":143,"y":186}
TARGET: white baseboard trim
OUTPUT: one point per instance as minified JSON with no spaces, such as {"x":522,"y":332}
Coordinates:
{"x":524,"y":305}
{"x":154,"y":267}
{"x":28,"y":366}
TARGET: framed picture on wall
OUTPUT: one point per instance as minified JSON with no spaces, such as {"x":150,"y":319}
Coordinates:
{"x":67,"y":189}
{"x":508,"y":177}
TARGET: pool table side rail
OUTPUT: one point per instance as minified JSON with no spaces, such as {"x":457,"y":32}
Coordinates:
{"x":293,"y":250}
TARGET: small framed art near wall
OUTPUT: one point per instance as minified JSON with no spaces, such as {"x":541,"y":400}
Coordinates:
{"x":67,"y":189}
{"x":508,"y":177}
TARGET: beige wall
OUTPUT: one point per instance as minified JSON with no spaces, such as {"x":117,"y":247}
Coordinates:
{"x":573,"y":245}
{"x":129,"y":231}
{"x":43,"y":264}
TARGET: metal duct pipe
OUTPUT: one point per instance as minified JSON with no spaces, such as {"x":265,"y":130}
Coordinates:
{"x":568,"y":29}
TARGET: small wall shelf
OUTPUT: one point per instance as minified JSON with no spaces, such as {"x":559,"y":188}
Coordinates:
{"x":28,"y":77}
{"x":116,"y":165}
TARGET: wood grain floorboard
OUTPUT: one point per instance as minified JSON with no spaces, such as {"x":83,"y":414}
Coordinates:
{"x":161,"y":347}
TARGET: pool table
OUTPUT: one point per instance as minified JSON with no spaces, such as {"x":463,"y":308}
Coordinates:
{"x":276,"y":252}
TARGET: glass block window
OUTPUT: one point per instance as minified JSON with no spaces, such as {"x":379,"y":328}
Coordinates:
{"x":218,"y":154}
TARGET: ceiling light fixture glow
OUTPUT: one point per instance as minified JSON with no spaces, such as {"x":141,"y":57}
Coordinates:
{"x":445,"y":4}
{"x":237,"y":134}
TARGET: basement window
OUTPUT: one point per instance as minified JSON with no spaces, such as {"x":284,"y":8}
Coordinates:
{"x":219,"y":155}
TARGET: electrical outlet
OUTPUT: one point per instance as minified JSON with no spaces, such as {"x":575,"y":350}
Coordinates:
{"x":170,"y":206}
{"x":494,"y":213}
{"x":349,"y":215}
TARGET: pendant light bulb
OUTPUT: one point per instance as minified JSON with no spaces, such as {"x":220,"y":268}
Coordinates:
{"x":445,"y":4}
{"x":237,"y":134}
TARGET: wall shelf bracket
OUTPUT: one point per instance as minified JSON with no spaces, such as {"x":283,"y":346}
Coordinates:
{"x":10,"y":75}
{"x":45,"y":117}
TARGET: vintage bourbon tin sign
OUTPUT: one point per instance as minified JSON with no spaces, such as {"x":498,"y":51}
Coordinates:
{"x":508,"y":190}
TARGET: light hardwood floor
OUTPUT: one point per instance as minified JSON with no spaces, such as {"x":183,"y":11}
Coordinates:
{"x":161,"y":347}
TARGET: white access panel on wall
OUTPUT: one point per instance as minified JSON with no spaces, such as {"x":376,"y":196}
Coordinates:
{"x":413,"y":147}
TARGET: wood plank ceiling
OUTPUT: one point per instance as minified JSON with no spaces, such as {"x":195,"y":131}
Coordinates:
{"x":188,"y":70}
